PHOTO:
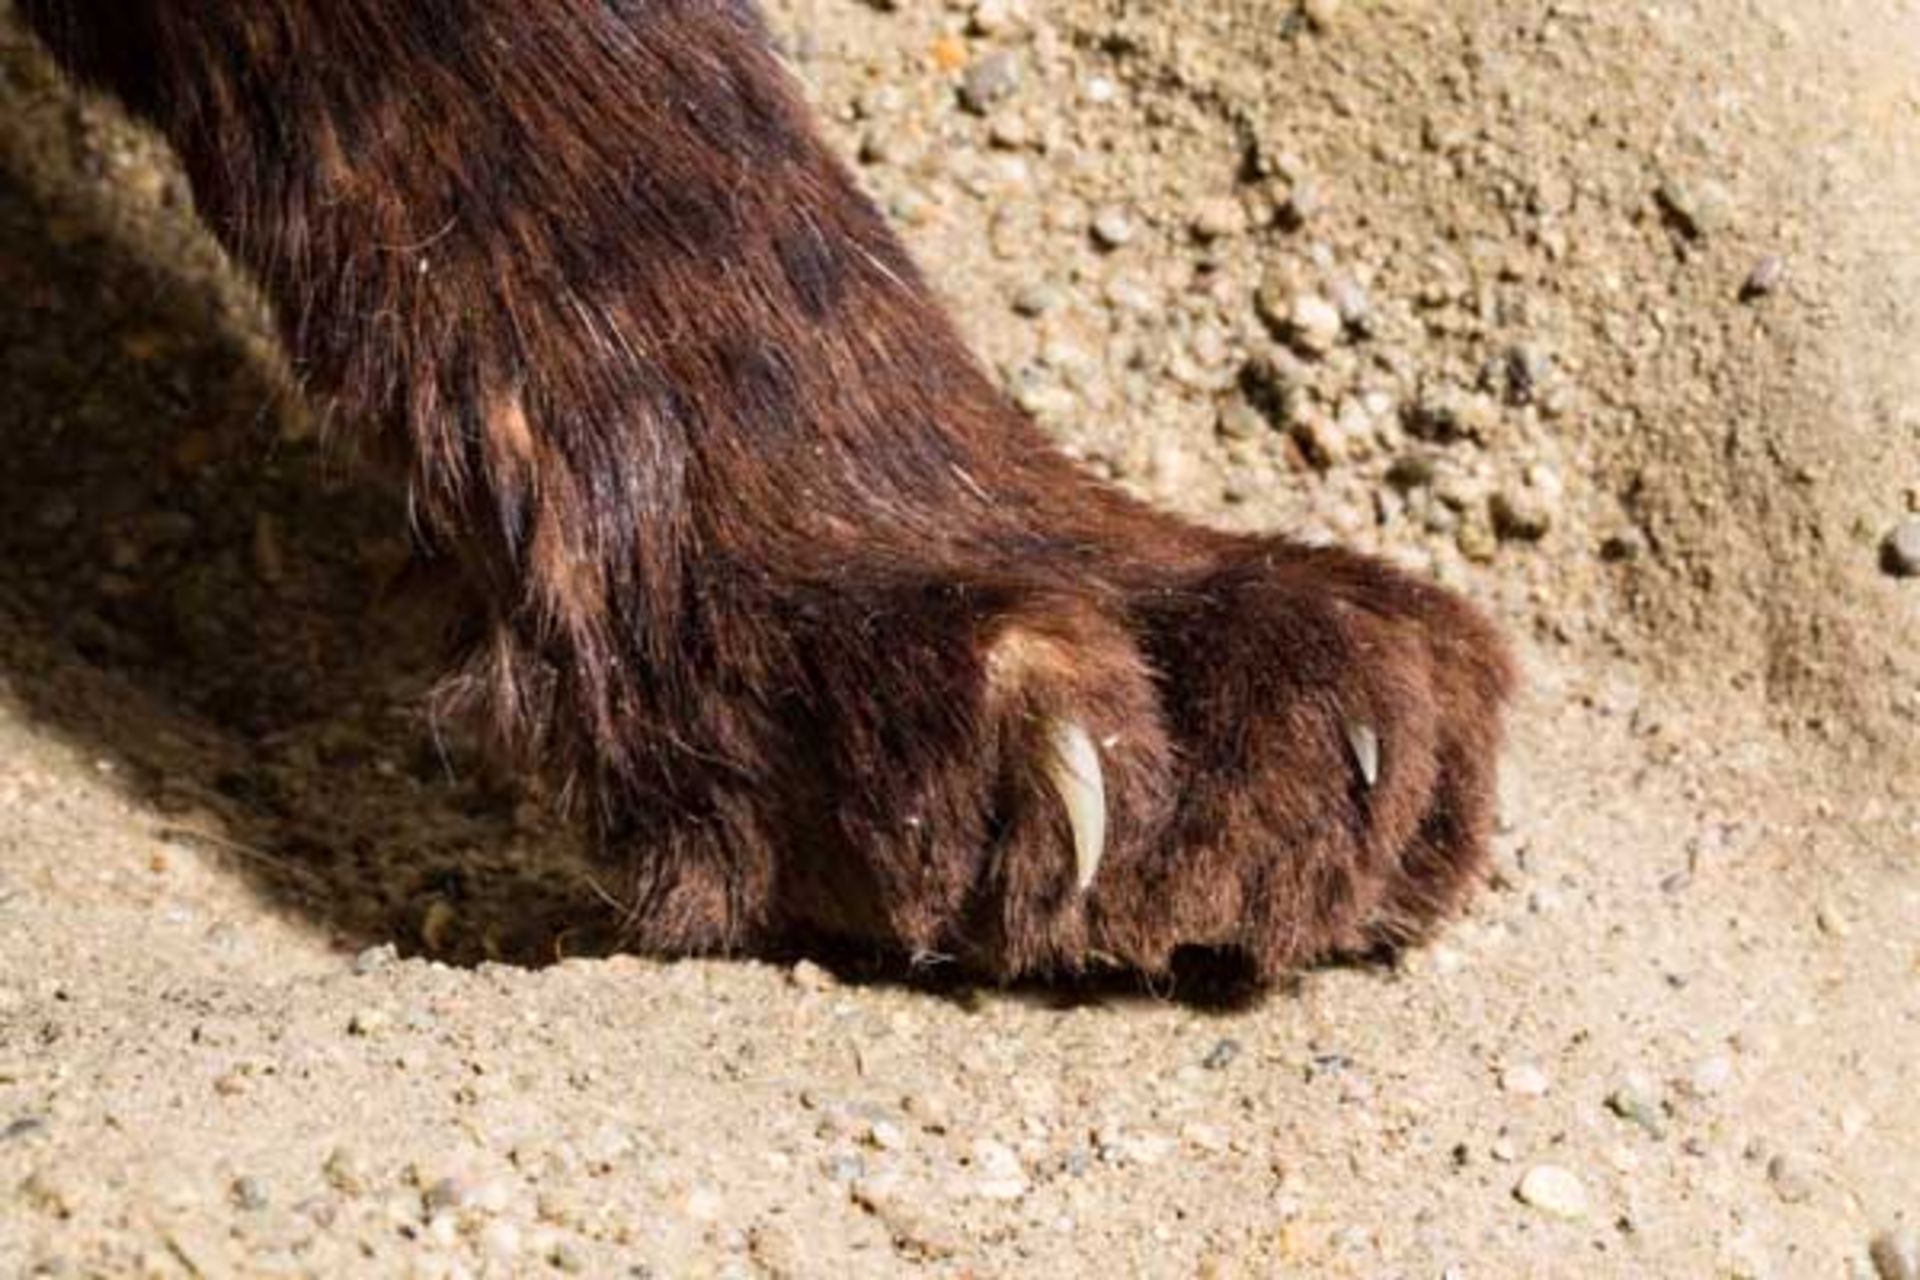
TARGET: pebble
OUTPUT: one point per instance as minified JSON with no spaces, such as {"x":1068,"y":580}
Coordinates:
{"x":809,"y":976}
{"x":990,"y":82}
{"x":1524,"y":368}
{"x":1896,"y":1254}
{"x":25,"y":1127}
{"x":997,"y":17}
{"x":501,"y":1241}
{"x":1241,"y":421}
{"x":1710,"y":1076}
{"x":1900,"y":554}
{"x":1001,"y":1177}
{"x":1305,"y":200}
{"x":1792,"y":1177}
{"x":1321,"y":14}
{"x":1218,"y":218}
{"x":346,"y":1172}
{"x":1765,"y":279}
{"x":1314,"y":324}
{"x":1635,"y":1099}
{"x":886,"y":1135}
{"x":1035,"y":300}
{"x":1553,"y":1190}
{"x":1221,"y":1056}
{"x":249,"y":1193}
{"x":1351,"y":299}
{"x":1700,"y":209}
{"x":1524,"y":512}
{"x":1319,"y":436}
{"x":1525,"y":1080}
{"x":1112,"y":227}
{"x":373,"y":959}
{"x":368,"y":1022}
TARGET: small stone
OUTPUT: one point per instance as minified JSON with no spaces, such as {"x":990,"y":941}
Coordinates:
{"x":1241,"y":421}
{"x":1896,"y":1254}
{"x":1305,"y":200}
{"x":374,"y":959}
{"x":1710,"y":1076}
{"x":23,"y":1128}
{"x":1476,"y":541}
{"x":346,"y":1172}
{"x":949,"y":52}
{"x":1765,"y":279}
{"x":704,"y":1203}
{"x":886,"y":1135}
{"x":1001,"y":1176}
{"x":1319,"y":436}
{"x":1698,"y":209}
{"x":1221,"y":1056}
{"x":45,"y":1193}
{"x":248,"y":1193}
{"x":1635,"y":1100}
{"x":883,"y":146}
{"x":1320,"y":14}
{"x":1218,"y":218}
{"x":990,"y":81}
{"x":997,"y":17}
{"x":1009,"y":133}
{"x":448,"y":1193}
{"x":1792,"y":1177}
{"x":1524,"y":1080}
{"x":500,"y":1240}
{"x":368,"y":1022}
{"x":1314,"y":324}
{"x":1035,"y":300}
{"x":1524,"y":369}
{"x":1524,"y":512}
{"x":1112,"y":227}
{"x":1351,"y":299}
{"x":1900,"y":554}
{"x":1553,"y":1190}
{"x":809,"y":976}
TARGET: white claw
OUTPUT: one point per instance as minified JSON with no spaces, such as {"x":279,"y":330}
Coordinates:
{"x":1366,"y":750}
{"x":1073,"y":770}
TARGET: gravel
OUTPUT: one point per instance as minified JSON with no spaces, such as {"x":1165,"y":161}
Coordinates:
{"x":1792,"y":1176}
{"x":990,"y":81}
{"x":1113,"y":227}
{"x":1554,"y":1191}
{"x":1525,"y":1080}
{"x":1900,"y":553}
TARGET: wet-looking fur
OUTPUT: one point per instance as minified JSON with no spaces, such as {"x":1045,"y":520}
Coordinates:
{"x":830,"y":635}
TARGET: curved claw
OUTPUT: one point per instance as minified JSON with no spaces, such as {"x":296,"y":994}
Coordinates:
{"x":1073,"y":771}
{"x":1365,"y":743}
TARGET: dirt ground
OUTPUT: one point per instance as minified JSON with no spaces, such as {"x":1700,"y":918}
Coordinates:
{"x":1605,"y":313}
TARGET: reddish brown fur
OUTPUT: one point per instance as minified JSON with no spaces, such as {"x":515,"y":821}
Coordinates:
{"x":768,"y":564}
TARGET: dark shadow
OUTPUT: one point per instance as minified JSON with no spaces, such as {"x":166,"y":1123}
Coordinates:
{"x":1204,"y":979}
{"x":221,"y":608}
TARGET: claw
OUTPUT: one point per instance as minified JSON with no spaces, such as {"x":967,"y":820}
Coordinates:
{"x":1073,"y":770}
{"x":1365,"y":742}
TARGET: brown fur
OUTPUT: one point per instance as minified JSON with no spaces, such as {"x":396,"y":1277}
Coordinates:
{"x":769,"y":565}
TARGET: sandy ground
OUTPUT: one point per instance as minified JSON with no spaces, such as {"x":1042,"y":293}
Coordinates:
{"x":1623,"y":321}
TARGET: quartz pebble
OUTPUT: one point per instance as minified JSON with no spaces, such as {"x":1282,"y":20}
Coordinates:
{"x":1525,"y":1080}
{"x":1554,"y":1191}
